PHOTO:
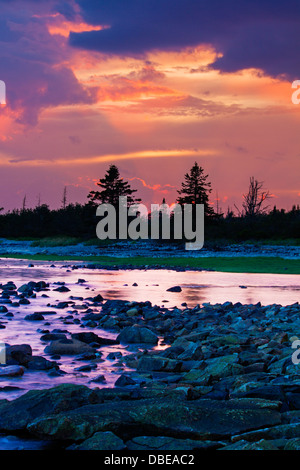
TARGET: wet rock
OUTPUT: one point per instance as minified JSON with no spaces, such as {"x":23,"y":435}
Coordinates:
{"x":34,"y":317}
{"x":100,"y":441}
{"x":87,"y":356}
{"x":137,"y":334}
{"x":26,"y":289}
{"x":193,"y":351}
{"x":97,"y":298}
{"x":293,"y":444}
{"x":62,"y":289}
{"x":15,"y":415}
{"x":18,"y":353}
{"x":260,"y":445}
{"x":216,"y":368}
{"x":68,"y":347}
{"x":200,"y":419}
{"x":62,"y":305}
{"x":100,"y":379}
{"x":132,"y":312}
{"x":157,"y":363}
{"x":11,"y":371}
{"x":124,"y":380}
{"x":114,"y":355}
{"x":53,"y":336}
{"x":268,"y":392}
{"x":9,"y":286}
{"x":40,"y":363}
{"x":169,"y":443}
{"x":86,"y":368}
{"x":287,"y":431}
{"x":174,"y":289}
{"x":90,"y":337}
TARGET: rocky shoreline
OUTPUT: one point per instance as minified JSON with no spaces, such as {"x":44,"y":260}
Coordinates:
{"x":147,"y":248}
{"x":210,"y":377}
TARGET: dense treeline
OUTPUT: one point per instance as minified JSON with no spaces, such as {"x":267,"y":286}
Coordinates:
{"x":80,"y":221}
{"x":255,"y":222}
{"x":75,"y":220}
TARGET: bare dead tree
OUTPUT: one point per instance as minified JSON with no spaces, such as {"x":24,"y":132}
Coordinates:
{"x":255,"y":198}
{"x":24,"y":204}
{"x":64,"y":198}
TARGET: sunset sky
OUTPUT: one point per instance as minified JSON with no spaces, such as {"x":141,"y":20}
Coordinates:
{"x":151,"y":86}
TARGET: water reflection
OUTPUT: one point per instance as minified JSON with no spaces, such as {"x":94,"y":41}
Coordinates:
{"x":137,"y":285}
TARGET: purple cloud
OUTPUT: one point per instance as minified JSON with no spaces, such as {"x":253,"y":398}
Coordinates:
{"x":30,"y":61}
{"x":260,"y":34}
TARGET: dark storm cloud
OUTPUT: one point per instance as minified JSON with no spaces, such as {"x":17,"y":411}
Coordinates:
{"x":250,"y":33}
{"x":66,"y":9}
{"x":31,"y":60}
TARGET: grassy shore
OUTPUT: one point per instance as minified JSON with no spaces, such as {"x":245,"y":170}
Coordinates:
{"x":241,"y":264}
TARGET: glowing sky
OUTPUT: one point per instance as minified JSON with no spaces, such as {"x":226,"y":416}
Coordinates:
{"x":152,"y":86}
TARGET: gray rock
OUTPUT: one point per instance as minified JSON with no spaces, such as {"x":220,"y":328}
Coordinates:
{"x":11,"y":371}
{"x":100,"y":441}
{"x":137,"y":334}
{"x":169,"y":443}
{"x":201,"y":419}
{"x":68,"y":347}
{"x":158,"y":363}
{"x":174,"y":289}
{"x":90,"y":337}
{"x":34,"y":317}
{"x":287,"y":431}
{"x":293,"y":444}
{"x":15,"y":415}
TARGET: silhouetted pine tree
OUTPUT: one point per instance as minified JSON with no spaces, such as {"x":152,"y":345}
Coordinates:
{"x":112,"y":187}
{"x":195,"y":189}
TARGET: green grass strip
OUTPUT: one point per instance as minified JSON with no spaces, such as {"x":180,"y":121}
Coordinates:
{"x":259,"y":264}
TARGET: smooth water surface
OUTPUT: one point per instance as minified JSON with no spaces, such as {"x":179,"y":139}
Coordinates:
{"x":152,"y":285}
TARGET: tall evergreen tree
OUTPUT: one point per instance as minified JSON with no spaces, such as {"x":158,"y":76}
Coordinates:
{"x":195,"y":189}
{"x":112,"y":187}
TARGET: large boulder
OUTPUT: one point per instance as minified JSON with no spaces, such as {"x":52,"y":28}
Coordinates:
{"x":168,"y":443}
{"x":216,"y":368}
{"x":34,"y":317}
{"x":100,"y":441}
{"x":156,"y":363}
{"x":90,"y":337}
{"x":68,"y":347}
{"x":196,"y":419}
{"x":137,"y":334}
{"x":18,"y":354}
{"x":11,"y":371}
{"x":15,"y":415}
{"x":174,"y":289}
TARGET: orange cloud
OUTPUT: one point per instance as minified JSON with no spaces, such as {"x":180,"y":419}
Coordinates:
{"x":123,"y":89}
{"x":63,"y":27}
{"x":175,"y":153}
{"x":156,"y":187}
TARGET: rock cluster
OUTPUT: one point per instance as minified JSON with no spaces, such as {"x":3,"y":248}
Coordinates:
{"x":216,"y":376}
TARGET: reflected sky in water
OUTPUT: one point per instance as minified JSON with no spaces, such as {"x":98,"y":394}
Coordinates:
{"x":135,"y":285}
